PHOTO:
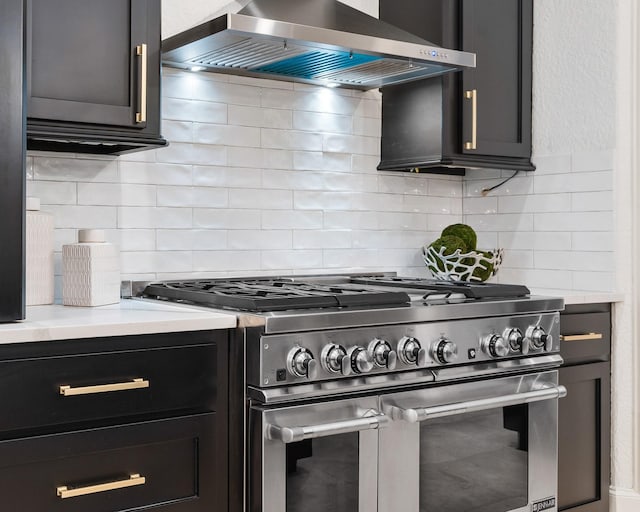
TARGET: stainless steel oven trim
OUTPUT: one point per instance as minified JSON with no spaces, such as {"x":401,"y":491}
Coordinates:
{"x":330,"y":418}
{"x":401,"y":439}
{"x":386,"y":382}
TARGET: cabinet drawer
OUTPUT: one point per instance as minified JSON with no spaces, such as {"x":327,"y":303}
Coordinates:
{"x":585,"y":337}
{"x":172,"y":463}
{"x":105,"y":385}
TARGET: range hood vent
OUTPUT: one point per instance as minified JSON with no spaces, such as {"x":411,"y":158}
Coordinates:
{"x":323,"y":42}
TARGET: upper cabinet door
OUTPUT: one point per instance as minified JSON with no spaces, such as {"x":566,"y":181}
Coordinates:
{"x":496,"y":95}
{"x":87,"y":61}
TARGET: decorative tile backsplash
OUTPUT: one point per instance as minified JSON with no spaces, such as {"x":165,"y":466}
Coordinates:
{"x":266,"y":177}
{"x":260,"y":177}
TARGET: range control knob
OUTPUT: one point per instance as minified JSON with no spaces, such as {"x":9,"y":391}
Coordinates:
{"x":517,"y":341}
{"x":334,"y":359}
{"x":382,"y":354}
{"x":495,"y":345}
{"x":539,"y":339}
{"x":361,"y":360}
{"x":300,"y":363}
{"x":411,"y":352}
{"x":444,"y":351}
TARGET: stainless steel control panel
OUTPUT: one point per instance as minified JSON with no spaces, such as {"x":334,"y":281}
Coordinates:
{"x":282,"y":360}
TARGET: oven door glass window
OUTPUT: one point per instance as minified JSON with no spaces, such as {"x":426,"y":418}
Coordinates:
{"x":475,"y":462}
{"x":323,"y":474}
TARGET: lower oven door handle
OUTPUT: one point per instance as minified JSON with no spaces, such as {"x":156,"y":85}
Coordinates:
{"x":293,"y":434}
{"x":439,"y":411}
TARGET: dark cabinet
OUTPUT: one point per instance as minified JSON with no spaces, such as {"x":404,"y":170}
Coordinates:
{"x":93,"y":75}
{"x":584,"y":414}
{"x":473,"y":118}
{"x":12,"y":161}
{"x":116,"y":424}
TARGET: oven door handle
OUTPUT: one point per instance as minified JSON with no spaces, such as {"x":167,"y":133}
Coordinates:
{"x":439,"y":411}
{"x":373,"y":420}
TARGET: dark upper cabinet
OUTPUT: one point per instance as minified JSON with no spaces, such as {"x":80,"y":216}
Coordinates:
{"x":93,"y":75}
{"x":473,"y":118}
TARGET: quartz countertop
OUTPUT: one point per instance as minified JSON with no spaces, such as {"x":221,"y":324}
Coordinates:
{"x":128,"y":317}
{"x":580,"y":297}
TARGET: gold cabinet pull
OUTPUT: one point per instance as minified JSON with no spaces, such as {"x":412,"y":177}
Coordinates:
{"x":582,"y":337}
{"x":64,"y":492}
{"x":473,"y":96}
{"x":104,"y":388}
{"x":141,"y":51}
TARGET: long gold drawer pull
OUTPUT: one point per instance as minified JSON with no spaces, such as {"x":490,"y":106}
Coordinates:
{"x":104,"y":388}
{"x":141,"y":51}
{"x":64,"y":492}
{"x":582,"y":337}
{"x":473,"y":96}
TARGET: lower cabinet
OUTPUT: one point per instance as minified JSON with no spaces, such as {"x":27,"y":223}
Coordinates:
{"x":167,"y":465}
{"x":115,"y":424}
{"x":584,"y":431}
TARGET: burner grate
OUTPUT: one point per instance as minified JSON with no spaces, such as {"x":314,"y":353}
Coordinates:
{"x":273,"y":295}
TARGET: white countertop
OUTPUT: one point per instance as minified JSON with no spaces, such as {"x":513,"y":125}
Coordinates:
{"x":580,"y":297}
{"x":129,"y":317}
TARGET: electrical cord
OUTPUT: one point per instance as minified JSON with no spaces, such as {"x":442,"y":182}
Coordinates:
{"x":485,"y":190}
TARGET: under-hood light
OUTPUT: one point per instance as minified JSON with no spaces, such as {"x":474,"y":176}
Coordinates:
{"x":195,"y":69}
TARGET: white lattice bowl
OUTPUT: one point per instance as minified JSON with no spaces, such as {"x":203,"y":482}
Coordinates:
{"x":461,"y":266}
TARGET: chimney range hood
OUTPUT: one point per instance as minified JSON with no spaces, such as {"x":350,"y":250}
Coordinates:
{"x":322,"y":42}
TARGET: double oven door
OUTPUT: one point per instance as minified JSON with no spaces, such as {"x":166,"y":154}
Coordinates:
{"x":487,"y":446}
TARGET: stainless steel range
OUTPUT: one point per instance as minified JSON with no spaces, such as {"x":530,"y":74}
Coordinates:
{"x":375,"y":393}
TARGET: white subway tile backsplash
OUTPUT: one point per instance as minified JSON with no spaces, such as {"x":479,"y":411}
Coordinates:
{"x":226,"y":135}
{"x":200,"y":197}
{"x":321,"y":239}
{"x":266,"y":177}
{"x":291,"y":139}
{"x":321,"y":122}
{"x":113,"y":194}
{"x":207,"y":218}
{"x":155,"y":173}
{"x":53,"y":192}
{"x":260,"y":117}
{"x":75,"y":169}
{"x":199,"y":154}
{"x":260,"y":239}
{"x":248,"y":198}
{"x":293,"y":219}
{"x":299,"y":259}
{"x":81,"y":217}
{"x":193,"y":111}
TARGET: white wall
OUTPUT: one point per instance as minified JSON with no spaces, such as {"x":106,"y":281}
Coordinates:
{"x":557,"y":223}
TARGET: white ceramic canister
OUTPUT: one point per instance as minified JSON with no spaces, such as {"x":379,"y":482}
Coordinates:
{"x":90,"y":271}
{"x":38,"y":254}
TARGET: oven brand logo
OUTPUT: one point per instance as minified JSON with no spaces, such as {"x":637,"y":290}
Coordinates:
{"x":546,"y":504}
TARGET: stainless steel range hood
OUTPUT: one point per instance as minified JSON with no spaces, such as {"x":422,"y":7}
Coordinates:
{"x":321,"y":42}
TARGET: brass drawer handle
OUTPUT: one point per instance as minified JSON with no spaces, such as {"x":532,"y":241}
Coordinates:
{"x":64,"y":492}
{"x":104,"y":388}
{"x":473,"y":96}
{"x":141,"y":51}
{"x":581,"y":337}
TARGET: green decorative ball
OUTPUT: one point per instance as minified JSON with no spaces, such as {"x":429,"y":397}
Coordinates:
{"x":465,"y":232}
{"x":450,"y":244}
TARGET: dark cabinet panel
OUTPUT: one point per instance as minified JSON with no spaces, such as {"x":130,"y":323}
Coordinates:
{"x":93,"y":71}
{"x":483,"y":116}
{"x":584,"y":415}
{"x":584,"y":431}
{"x":166,"y":465}
{"x":12,"y":161}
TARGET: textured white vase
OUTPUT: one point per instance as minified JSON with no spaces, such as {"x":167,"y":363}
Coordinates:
{"x":38,"y":254}
{"x":90,"y":271}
